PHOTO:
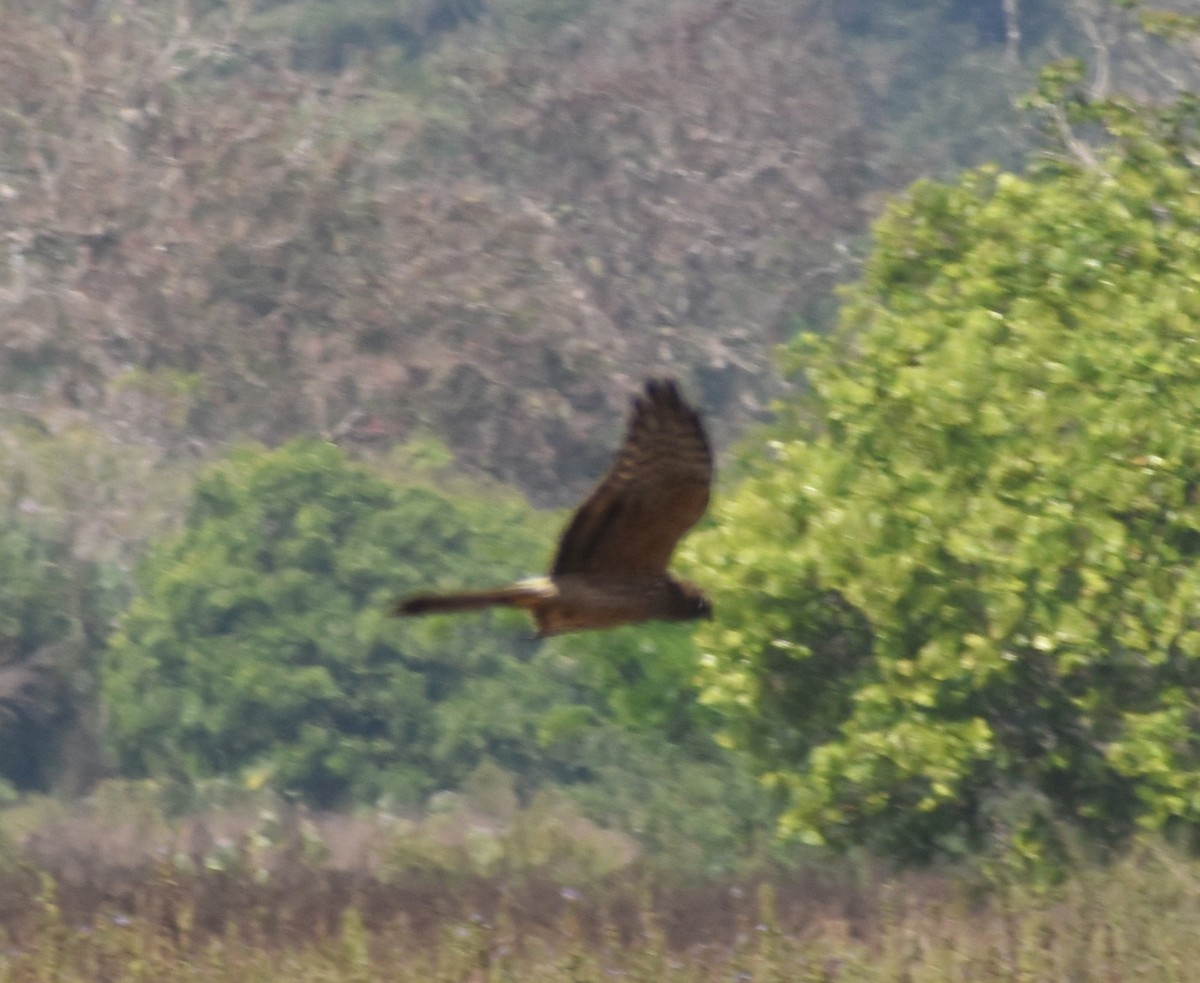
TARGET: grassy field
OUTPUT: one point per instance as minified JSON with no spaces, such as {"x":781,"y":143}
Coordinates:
{"x":264,"y":899}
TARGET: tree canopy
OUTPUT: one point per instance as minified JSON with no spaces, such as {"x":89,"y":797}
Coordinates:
{"x":259,"y":648}
{"x":259,"y":644}
{"x":962,"y":599}
{"x":49,"y":605}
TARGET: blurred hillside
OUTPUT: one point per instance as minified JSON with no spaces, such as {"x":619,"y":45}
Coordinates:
{"x":479,"y":221}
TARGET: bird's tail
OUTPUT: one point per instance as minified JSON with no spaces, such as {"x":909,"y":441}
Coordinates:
{"x":522,"y":595}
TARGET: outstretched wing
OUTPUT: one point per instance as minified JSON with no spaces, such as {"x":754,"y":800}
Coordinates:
{"x":657,"y":489}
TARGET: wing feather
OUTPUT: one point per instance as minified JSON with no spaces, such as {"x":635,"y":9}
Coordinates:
{"x":656,"y":490}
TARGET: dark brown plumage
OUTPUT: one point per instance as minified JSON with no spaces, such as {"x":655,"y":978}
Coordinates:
{"x":611,"y":565}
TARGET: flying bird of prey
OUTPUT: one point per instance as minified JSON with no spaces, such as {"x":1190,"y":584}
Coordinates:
{"x":611,"y":567}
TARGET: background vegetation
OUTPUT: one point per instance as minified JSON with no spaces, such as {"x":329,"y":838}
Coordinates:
{"x":304,"y":307}
{"x":1003,"y":492}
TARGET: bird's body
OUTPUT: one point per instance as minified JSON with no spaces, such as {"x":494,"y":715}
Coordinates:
{"x":611,"y":565}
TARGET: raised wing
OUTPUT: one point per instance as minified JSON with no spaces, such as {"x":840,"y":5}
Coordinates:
{"x":656,"y":490}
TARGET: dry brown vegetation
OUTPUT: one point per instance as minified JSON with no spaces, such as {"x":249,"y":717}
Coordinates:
{"x":203,"y":242}
{"x":81,"y":901}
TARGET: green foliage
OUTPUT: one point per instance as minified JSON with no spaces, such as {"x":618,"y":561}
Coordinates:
{"x":1075,"y":125}
{"x":34,"y":583}
{"x":260,"y":642}
{"x":645,"y":759}
{"x":50,"y":600}
{"x":969,"y":606}
{"x":645,"y":676}
{"x":259,"y":648}
{"x":695,"y":814}
{"x":1166,"y":23}
{"x":75,"y":507}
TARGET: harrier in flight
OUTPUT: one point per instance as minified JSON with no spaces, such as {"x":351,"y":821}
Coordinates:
{"x":611,"y":567}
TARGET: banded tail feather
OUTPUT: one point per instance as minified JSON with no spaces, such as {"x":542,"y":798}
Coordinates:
{"x":525,"y":594}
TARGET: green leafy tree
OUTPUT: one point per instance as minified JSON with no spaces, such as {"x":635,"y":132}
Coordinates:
{"x":968,"y":605}
{"x":644,"y":676}
{"x":52,"y":606}
{"x":260,"y":643}
{"x":258,"y":647}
